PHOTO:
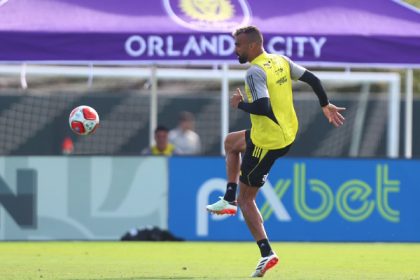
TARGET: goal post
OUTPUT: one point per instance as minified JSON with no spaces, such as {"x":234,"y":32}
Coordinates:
{"x":393,"y":80}
{"x":224,"y":75}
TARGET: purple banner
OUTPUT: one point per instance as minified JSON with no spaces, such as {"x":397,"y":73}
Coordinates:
{"x":341,"y":32}
{"x":205,"y":47}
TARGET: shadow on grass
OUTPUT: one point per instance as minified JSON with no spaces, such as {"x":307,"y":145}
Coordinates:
{"x":155,"y":277}
{"x":143,"y":277}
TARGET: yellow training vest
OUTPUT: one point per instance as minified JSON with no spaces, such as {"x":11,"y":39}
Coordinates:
{"x":265,"y":133}
{"x":169,"y":150}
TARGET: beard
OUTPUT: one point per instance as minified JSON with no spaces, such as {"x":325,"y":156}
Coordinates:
{"x":242,"y":59}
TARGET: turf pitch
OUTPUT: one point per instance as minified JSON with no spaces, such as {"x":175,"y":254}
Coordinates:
{"x":205,"y":260}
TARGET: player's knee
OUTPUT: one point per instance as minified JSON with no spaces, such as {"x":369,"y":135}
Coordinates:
{"x":229,"y":143}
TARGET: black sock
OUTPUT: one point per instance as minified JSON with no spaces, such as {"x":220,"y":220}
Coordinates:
{"x":265,"y":247}
{"x":230,"y":194}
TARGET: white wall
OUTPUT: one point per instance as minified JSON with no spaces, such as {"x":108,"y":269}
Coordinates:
{"x":44,"y":198}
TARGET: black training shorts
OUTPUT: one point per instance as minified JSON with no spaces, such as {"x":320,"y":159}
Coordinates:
{"x":257,"y":162}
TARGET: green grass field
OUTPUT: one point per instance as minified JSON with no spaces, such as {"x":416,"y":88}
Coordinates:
{"x":201,"y":260}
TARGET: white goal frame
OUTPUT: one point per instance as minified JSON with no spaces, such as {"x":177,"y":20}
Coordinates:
{"x":224,"y":75}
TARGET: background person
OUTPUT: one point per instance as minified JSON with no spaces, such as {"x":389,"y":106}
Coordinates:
{"x":162,"y":147}
{"x":185,"y":139}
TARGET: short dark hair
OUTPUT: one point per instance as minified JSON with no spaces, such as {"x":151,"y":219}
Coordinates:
{"x":161,"y":128}
{"x":253,"y":33}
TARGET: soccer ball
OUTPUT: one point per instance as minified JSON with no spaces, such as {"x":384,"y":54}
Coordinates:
{"x":83,"y":120}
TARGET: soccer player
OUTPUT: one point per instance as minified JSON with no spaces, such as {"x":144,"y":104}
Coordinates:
{"x":269,"y":101}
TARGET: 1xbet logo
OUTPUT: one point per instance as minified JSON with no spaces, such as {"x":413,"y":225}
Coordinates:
{"x":353,"y":199}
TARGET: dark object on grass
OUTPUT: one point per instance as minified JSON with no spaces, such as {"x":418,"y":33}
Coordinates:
{"x":149,"y":234}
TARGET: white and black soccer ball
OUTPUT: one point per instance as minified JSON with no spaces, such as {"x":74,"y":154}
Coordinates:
{"x":84,"y":120}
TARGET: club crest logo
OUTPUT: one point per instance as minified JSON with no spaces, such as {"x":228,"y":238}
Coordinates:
{"x":209,"y":15}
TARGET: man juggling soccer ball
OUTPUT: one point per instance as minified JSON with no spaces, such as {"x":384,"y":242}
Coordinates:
{"x":269,"y":101}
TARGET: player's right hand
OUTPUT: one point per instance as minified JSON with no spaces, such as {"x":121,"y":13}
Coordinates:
{"x":236,"y":98}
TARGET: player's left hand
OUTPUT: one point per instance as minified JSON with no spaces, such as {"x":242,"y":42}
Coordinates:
{"x":332,"y":113}
{"x":236,"y":98}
